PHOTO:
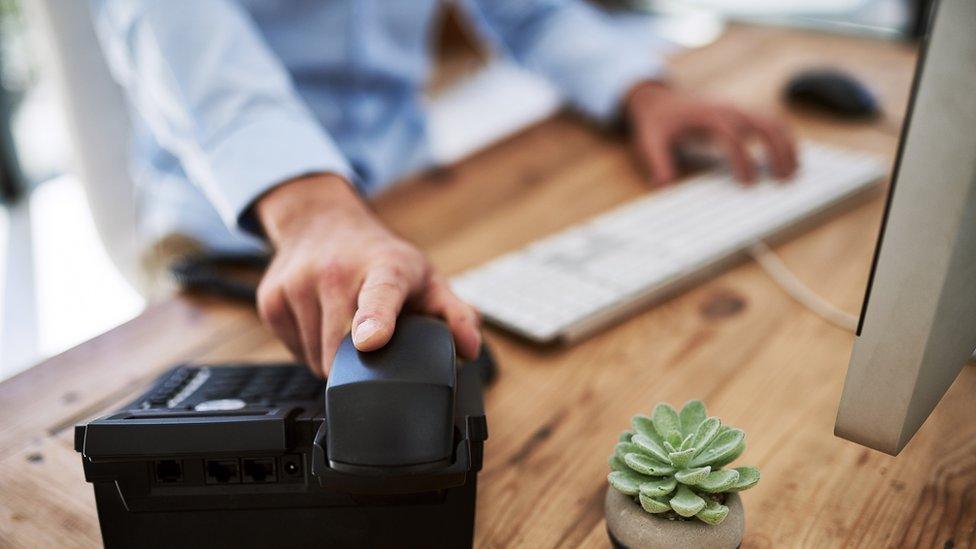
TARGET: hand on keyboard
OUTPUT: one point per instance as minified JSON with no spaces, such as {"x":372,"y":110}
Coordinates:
{"x":569,"y":284}
{"x":660,"y":118}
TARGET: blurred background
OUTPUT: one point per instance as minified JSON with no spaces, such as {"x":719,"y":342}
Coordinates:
{"x":59,"y":282}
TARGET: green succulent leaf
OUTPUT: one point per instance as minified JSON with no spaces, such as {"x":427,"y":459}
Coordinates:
{"x":617,"y":464}
{"x":642,"y":425}
{"x":713,"y":513}
{"x":686,"y":503}
{"x":686,"y":442}
{"x":706,"y":433}
{"x":669,"y":448}
{"x":681,"y":458}
{"x":658,"y":488}
{"x":724,"y":448}
{"x":627,"y":482}
{"x":625,"y":436}
{"x":624,"y":448}
{"x":748,"y":477}
{"x":665,"y":420}
{"x":692,"y":476}
{"x":731,"y":456}
{"x":650,"y":447}
{"x":691,"y":416}
{"x":652,"y":505}
{"x":719,"y":481}
{"x":647,"y":466}
{"x":674,"y":439}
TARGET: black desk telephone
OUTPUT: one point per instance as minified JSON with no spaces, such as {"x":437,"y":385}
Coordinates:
{"x":253,"y":456}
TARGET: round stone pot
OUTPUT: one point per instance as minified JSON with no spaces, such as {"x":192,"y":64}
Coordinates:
{"x":630,"y":527}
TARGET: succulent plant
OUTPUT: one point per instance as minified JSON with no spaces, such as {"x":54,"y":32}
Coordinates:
{"x":672,"y":462}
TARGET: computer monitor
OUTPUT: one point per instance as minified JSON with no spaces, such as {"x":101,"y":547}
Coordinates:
{"x":918,"y":322}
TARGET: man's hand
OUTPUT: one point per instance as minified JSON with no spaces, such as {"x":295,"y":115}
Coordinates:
{"x":661,"y":118}
{"x":337,"y":268}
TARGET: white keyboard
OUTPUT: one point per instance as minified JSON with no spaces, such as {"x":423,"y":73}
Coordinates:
{"x":570,"y":284}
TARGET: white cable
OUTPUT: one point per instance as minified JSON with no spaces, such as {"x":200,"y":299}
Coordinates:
{"x":781,"y":274}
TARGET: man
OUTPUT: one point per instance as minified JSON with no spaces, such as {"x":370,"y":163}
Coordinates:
{"x":279,"y":111}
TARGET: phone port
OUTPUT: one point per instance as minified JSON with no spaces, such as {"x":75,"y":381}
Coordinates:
{"x":259,"y":470}
{"x":169,"y":471}
{"x":223,"y":471}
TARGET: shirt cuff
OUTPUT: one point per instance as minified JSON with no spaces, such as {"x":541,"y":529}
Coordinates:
{"x":610,"y":53}
{"x":260,"y":155}
{"x":601,"y":95}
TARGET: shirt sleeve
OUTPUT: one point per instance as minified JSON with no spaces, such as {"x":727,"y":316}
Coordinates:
{"x":590,"y":56}
{"x":213,"y":94}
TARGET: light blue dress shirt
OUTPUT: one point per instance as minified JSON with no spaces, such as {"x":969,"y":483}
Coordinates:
{"x":231,"y":97}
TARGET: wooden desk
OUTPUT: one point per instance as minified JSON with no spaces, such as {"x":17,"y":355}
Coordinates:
{"x":760,"y":361}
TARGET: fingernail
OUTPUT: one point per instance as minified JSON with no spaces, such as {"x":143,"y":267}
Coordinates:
{"x":365,"y":331}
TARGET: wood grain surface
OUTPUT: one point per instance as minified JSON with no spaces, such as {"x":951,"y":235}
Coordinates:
{"x":760,"y":361}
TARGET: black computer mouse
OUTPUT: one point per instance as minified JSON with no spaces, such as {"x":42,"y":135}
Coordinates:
{"x":832,"y":91}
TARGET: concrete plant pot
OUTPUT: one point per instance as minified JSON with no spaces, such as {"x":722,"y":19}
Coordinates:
{"x":630,"y":527}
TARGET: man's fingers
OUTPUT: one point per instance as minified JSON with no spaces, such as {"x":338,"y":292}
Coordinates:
{"x":276,"y":314}
{"x":729,"y":135}
{"x":654,"y":148}
{"x":461,"y":318}
{"x":779,"y":145}
{"x":337,"y":307}
{"x":304,"y":305}
{"x":381,"y":297}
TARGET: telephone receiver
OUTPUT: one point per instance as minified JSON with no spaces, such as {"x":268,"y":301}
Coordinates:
{"x":405,"y":418}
